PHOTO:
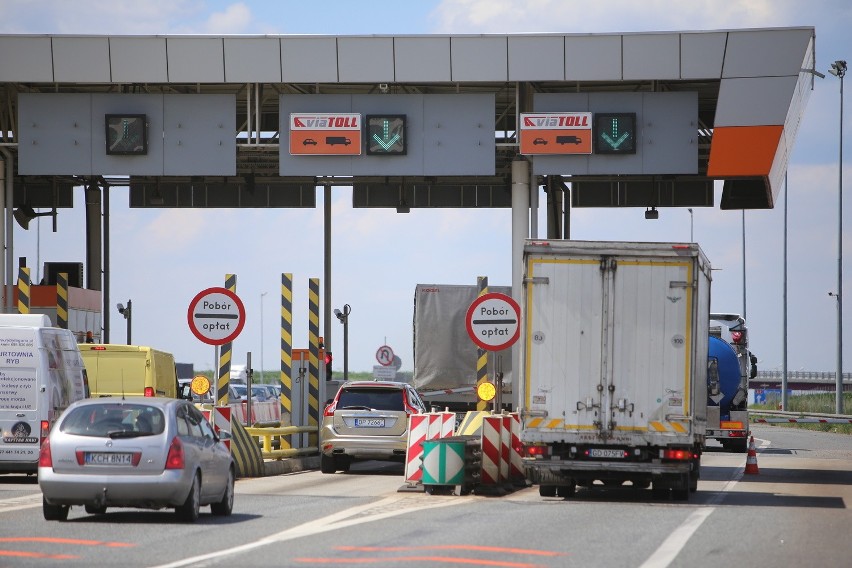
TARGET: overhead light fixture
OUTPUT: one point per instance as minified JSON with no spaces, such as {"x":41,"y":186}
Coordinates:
{"x":652,"y":213}
{"x":24,"y":214}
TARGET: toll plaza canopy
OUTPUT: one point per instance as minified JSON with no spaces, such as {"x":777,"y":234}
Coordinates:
{"x":627,"y":119}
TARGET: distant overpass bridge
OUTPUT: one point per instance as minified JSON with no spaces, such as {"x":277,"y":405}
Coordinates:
{"x":800,"y":380}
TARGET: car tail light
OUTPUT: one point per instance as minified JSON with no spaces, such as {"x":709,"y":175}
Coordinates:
{"x":408,"y":408}
{"x":330,"y":408}
{"x":44,"y":457}
{"x":149,"y":391}
{"x":176,"y":457}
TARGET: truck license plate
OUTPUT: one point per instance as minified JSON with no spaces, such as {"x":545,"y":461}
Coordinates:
{"x":605,"y":453}
{"x":369,"y":422}
{"x":108,"y":458}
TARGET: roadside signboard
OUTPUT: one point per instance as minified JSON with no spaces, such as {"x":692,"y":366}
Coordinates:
{"x":382,"y":372}
{"x":325,"y":134}
{"x":216,"y":316}
{"x":494,"y":321}
{"x":384,"y":356}
{"x":556,"y":133}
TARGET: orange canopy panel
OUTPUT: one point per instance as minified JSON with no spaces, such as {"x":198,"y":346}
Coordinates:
{"x":743,"y":151}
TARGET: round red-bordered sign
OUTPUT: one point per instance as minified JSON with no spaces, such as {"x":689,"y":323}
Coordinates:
{"x":494,"y":321}
{"x":216,"y":316}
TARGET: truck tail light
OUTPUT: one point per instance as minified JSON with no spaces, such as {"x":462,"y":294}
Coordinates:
{"x":44,"y":430}
{"x":536,"y":451}
{"x":737,"y":337}
{"x":677,"y":455}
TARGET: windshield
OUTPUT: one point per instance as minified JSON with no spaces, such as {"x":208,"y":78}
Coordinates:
{"x":374,"y":398}
{"x":114,"y":420}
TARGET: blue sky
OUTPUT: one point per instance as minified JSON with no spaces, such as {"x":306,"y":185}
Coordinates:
{"x":162,"y":258}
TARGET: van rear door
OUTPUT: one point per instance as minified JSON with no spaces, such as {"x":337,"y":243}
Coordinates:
{"x":115,"y":370}
{"x":19,"y":399}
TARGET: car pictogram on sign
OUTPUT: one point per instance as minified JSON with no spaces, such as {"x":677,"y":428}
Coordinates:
{"x":538,"y":141}
{"x":308,"y":141}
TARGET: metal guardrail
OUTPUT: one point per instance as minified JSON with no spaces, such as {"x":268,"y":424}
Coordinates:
{"x":266,"y":435}
{"x":800,"y":376}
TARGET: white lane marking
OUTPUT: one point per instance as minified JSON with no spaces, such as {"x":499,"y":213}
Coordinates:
{"x":18,"y":503}
{"x":671,"y":547}
{"x":388,"y":507}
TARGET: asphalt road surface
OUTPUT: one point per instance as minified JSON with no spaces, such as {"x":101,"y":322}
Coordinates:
{"x":794,"y":512}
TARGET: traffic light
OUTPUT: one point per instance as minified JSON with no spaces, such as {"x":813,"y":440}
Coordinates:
{"x":328,"y":359}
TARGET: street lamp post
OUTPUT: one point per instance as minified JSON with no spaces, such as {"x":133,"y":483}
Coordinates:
{"x":838,"y":69}
{"x":344,"y":319}
{"x":127,"y":313}
{"x":262,"y":294}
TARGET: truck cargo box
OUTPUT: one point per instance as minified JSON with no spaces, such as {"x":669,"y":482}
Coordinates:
{"x":614,"y":361}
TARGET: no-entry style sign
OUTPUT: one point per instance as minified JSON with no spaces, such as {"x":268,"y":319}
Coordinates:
{"x":216,"y":316}
{"x":494,"y":321}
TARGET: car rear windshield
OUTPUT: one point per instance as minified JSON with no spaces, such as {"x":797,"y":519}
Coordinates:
{"x":111,"y":418}
{"x":374,"y":398}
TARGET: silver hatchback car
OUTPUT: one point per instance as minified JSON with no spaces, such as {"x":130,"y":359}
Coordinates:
{"x":367,"y":420}
{"x":143,"y":452}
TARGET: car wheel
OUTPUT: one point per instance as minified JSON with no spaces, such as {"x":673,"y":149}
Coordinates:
{"x":95,"y":510}
{"x":343,"y":463}
{"x":224,"y":507}
{"x":189,"y":510}
{"x":54,"y":512}
{"x":327,"y":464}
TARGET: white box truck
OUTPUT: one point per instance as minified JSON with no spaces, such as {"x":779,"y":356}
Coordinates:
{"x":41,"y":373}
{"x":614,"y":365}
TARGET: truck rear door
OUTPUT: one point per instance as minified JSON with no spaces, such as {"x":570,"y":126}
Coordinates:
{"x":650,"y":325}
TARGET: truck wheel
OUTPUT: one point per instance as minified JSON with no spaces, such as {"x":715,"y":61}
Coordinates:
{"x":547,"y":490}
{"x":566,"y":491}
{"x":695,"y":475}
{"x":739,"y":446}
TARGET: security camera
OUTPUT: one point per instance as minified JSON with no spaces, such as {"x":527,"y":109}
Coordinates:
{"x":120,"y":307}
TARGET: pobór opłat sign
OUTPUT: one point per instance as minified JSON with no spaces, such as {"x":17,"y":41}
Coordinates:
{"x":494,"y":321}
{"x":216,"y":316}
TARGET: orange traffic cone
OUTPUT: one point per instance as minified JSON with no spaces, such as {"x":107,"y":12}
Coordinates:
{"x":751,"y":458}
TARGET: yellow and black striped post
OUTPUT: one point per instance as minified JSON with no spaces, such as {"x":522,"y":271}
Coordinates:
{"x":224,"y":375}
{"x":286,"y":401}
{"x":481,"y":354}
{"x":313,"y":359}
{"x":23,"y":290}
{"x":62,"y":300}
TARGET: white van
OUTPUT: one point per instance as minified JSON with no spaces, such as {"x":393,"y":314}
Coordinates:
{"x":41,"y":373}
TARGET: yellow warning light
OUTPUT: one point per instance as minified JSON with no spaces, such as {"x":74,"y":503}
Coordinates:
{"x":486,"y":391}
{"x":200,"y":384}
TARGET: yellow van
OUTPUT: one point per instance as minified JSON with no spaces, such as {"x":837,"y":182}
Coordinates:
{"x":129,"y":370}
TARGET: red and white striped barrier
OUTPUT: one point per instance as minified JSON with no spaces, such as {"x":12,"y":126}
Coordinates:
{"x":418,"y":432}
{"x":222,"y":422}
{"x":422,"y":427}
{"x":516,"y":459}
{"x":803,"y":420}
{"x":491,"y":449}
{"x":505,"y":446}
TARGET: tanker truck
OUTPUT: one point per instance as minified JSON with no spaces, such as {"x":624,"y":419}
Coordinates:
{"x":730,"y":365}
